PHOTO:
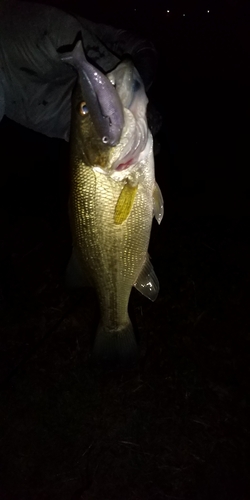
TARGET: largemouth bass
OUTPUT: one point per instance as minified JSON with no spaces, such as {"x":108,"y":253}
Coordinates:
{"x":113,"y":199}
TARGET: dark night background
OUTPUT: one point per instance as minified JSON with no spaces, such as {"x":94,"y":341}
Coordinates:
{"x":177,"y":426}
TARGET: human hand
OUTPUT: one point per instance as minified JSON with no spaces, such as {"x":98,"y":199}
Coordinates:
{"x":35,"y":85}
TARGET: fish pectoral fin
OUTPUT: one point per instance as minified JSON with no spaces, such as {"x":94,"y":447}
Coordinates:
{"x":125,"y":203}
{"x":75,"y":277}
{"x":158,"y":203}
{"x":147,"y":282}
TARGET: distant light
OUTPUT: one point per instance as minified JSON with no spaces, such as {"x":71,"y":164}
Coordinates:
{"x":168,"y":11}
{"x":183,"y":15}
{"x":208,"y":11}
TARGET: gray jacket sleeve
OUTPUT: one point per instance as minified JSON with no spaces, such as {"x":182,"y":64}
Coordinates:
{"x":36,"y":86}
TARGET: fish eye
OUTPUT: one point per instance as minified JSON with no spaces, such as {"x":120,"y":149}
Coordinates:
{"x":105,"y":139}
{"x":83,"y":109}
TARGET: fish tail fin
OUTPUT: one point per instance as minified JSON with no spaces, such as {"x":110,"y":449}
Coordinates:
{"x":114,"y":348}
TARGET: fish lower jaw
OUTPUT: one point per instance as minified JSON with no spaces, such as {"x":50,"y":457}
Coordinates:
{"x":131,"y":174}
{"x":129,"y":166}
{"x":134,"y":157}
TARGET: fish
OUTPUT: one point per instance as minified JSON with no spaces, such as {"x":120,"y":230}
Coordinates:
{"x":113,"y":199}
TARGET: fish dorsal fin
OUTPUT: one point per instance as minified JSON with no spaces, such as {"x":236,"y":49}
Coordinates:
{"x":147,"y":282}
{"x":158,"y":204}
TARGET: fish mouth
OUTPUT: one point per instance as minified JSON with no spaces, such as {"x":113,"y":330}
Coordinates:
{"x":133,"y":144}
{"x":134,"y":138}
{"x":124,"y":165}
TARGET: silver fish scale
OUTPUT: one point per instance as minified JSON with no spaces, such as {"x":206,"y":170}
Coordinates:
{"x":111,"y":255}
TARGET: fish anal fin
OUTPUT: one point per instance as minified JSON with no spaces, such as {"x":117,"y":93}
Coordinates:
{"x":147,"y":282}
